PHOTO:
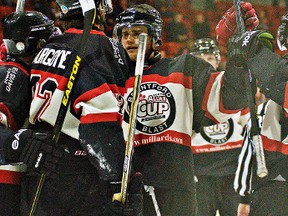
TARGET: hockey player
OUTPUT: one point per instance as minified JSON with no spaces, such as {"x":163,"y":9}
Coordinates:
{"x":173,"y":92}
{"x":269,"y":196}
{"x":23,"y":39}
{"x":84,"y":169}
{"x":216,"y":149}
{"x":207,"y":49}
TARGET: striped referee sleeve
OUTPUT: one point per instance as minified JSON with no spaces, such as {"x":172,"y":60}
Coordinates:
{"x":243,"y":176}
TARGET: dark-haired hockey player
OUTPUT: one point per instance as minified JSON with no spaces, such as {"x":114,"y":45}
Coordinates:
{"x":177,"y":96}
{"x":216,"y":149}
{"x":84,"y":169}
{"x":22,"y":40}
{"x":269,"y":194}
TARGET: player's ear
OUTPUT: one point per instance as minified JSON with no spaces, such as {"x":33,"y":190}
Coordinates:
{"x":40,"y":44}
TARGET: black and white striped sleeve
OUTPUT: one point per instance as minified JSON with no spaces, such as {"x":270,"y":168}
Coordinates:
{"x":244,"y":172}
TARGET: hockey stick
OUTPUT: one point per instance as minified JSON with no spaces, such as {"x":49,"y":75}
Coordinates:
{"x":20,"y":6}
{"x":89,"y":12}
{"x":255,"y":130}
{"x":121,"y":197}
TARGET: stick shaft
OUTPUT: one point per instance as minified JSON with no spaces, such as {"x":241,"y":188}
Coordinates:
{"x":132,"y":119}
{"x":89,"y":19}
{"x":255,"y":129}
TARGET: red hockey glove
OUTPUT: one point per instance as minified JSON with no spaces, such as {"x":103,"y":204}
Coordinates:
{"x":226,"y":27}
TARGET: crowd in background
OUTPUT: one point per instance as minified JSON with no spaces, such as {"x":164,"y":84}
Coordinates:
{"x":185,"y":22}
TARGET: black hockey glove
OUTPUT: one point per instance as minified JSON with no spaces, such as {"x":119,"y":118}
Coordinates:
{"x":35,"y":149}
{"x":246,"y":45}
{"x":134,"y":202}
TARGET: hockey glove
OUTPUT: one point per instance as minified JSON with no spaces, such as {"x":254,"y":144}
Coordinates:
{"x":37,"y":150}
{"x":134,"y":201}
{"x":227,"y":26}
{"x":241,"y":47}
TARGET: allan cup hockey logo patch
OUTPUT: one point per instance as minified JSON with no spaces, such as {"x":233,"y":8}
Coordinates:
{"x":156,"y":111}
{"x":218,"y":134}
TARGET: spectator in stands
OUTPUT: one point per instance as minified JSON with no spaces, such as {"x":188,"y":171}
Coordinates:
{"x":209,"y":5}
{"x":165,"y":11}
{"x":44,"y":7}
{"x":276,"y":2}
{"x":176,"y":30}
{"x":264,"y":22}
{"x":201,"y":28}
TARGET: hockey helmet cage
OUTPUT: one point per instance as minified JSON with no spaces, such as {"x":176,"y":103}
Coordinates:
{"x":282,"y":33}
{"x":144,"y":15}
{"x":23,"y":30}
{"x":71,"y":9}
{"x":206,"y":46}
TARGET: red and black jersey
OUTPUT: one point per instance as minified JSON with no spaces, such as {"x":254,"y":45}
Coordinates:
{"x":216,"y":148}
{"x":15,"y":97}
{"x":15,"y":93}
{"x":177,"y":96}
{"x":94,"y":112}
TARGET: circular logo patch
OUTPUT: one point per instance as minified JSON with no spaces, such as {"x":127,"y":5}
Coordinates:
{"x":156,"y":110}
{"x":218,"y":134}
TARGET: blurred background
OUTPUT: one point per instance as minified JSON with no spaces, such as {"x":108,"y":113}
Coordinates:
{"x":184,"y":20}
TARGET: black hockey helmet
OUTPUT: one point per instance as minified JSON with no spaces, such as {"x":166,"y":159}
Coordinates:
{"x":23,"y":30}
{"x":71,"y":9}
{"x":282,"y":33}
{"x":144,"y":15}
{"x":206,"y":46}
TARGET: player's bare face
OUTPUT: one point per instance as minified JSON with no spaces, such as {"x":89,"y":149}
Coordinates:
{"x":130,"y":39}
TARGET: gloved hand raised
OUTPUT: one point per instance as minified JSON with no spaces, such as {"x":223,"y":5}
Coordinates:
{"x":247,"y":45}
{"x":35,"y":149}
{"x":226,"y":27}
{"x":134,"y":201}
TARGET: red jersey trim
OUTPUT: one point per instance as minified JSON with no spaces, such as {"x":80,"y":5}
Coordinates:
{"x":175,"y":77}
{"x":80,"y":31}
{"x":61,"y":81}
{"x":10,"y":177}
{"x":167,"y":136}
{"x":274,"y":145}
{"x":95,"y":92}
{"x":14,"y":64}
{"x":101,"y":117}
{"x":10,"y":118}
{"x":215,"y":148}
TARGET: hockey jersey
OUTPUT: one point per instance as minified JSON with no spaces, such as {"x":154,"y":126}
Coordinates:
{"x":93,"y":115}
{"x":15,"y":100}
{"x":275,"y":149}
{"x":216,"y":147}
{"x":176,"y":97}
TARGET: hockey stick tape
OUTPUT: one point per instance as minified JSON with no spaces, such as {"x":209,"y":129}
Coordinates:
{"x":87,"y":5}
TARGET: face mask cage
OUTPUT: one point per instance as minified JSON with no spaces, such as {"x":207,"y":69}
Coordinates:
{"x":154,"y":33}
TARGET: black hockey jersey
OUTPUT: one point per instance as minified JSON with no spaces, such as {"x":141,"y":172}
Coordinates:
{"x":15,"y":97}
{"x":176,"y":96}
{"x":216,"y":147}
{"x":94,"y":112}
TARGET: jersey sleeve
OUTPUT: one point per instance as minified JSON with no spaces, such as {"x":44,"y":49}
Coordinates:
{"x":272,"y":77}
{"x":100,"y":131}
{"x":97,"y":103}
{"x":244,"y":172}
{"x":15,"y":95}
